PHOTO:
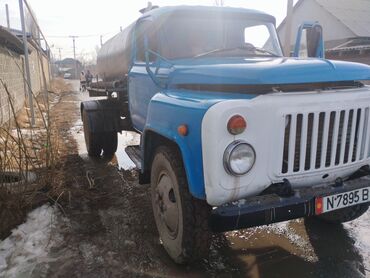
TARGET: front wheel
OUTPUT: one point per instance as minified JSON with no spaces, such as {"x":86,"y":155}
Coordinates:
{"x":182,"y":220}
{"x":344,"y":215}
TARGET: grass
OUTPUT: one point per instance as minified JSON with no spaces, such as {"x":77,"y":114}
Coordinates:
{"x":25,"y":148}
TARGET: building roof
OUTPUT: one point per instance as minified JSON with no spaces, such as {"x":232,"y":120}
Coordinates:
{"x":354,"y":14}
{"x":68,"y":61}
{"x":11,"y":41}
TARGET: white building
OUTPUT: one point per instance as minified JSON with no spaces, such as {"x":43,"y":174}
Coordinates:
{"x":346,"y":25}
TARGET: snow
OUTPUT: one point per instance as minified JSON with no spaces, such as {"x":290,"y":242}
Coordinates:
{"x":125,"y":139}
{"x":360,"y":232}
{"x":77,"y":133}
{"x":282,"y":228}
{"x":28,"y":245}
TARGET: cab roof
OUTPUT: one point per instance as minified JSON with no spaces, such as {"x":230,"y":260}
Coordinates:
{"x":168,"y":10}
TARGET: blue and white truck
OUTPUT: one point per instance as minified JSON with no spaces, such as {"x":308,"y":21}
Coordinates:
{"x":233,"y":133}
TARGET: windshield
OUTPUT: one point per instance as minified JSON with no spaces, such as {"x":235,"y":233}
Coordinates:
{"x":188,"y":37}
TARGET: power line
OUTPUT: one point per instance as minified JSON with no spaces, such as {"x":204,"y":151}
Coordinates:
{"x":60,"y":53}
{"x":79,"y":36}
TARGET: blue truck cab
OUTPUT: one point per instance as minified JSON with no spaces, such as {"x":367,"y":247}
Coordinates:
{"x":233,"y":133}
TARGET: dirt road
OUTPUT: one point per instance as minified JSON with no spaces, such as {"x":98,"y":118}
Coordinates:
{"x":108,"y":231}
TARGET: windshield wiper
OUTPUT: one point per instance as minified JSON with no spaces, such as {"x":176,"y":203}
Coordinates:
{"x":262,"y":50}
{"x":248,"y":48}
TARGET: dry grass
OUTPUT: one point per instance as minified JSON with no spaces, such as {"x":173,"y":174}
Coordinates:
{"x":25,"y":148}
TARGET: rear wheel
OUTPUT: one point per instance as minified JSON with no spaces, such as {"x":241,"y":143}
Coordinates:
{"x":93,"y":140}
{"x":110,"y":143}
{"x":344,"y":215}
{"x":182,"y":221}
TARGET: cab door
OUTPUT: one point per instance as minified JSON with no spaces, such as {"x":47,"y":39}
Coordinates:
{"x":141,"y":86}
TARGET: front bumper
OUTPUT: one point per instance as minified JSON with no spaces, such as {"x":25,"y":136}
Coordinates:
{"x":268,"y":209}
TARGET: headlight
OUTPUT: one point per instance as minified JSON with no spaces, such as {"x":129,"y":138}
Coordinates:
{"x":239,"y":158}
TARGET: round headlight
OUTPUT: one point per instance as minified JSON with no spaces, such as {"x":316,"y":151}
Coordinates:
{"x":239,"y":158}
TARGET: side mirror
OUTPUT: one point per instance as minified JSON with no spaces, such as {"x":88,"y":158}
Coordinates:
{"x":309,"y":42}
{"x":148,"y":63}
{"x":147,"y":60}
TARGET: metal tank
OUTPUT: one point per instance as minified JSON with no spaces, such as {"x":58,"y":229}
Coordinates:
{"x":114,"y":57}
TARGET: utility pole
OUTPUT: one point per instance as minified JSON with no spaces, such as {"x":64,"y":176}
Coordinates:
{"x":27,"y":64}
{"x":7,"y":16}
{"x":60,"y":53}
{"x":288,"y":28}
{"x":219,"y":3}
{"x":101,"y":40}
{"x":74,"y":54}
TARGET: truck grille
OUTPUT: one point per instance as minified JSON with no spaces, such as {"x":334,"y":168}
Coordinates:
{"x":320,"y":140}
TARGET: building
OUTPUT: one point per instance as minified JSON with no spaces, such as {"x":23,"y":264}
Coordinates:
{"x":346,"y":25}
{"x":12,"y":71}
{"x":69,"y":66}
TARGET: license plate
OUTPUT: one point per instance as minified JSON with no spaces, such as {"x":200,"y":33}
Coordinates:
{"x":342,"y":200}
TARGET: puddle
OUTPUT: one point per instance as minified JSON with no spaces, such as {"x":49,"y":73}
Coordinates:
{"x":121,"y":159}
{"x":127,"y":138}
{"x":291,"y":248}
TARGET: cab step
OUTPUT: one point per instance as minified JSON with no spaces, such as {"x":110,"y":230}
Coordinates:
{"x":134,"y":153}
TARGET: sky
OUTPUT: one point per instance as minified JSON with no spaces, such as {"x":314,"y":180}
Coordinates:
{"x":89,"y":20}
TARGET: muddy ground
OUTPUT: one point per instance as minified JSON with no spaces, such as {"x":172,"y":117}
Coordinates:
{"x":106,"y":229}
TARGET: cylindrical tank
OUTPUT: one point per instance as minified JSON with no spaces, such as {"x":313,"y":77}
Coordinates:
{"x":114,"y":57}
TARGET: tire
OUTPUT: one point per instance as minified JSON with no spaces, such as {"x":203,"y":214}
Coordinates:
{"x":343,"y":215}
{"x":182,"y":220}
{"x":93,"y":141}
{"x":110,"y":143}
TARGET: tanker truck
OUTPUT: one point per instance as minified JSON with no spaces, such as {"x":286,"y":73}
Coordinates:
{"x":233,"y":133}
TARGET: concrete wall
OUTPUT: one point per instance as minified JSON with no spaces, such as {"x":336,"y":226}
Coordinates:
{"x":12,"y":74}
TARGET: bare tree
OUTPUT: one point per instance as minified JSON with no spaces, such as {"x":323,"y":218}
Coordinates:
{"x":219,"y":3}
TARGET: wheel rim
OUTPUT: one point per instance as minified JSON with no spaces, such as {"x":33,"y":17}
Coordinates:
{"x":167,"y":205}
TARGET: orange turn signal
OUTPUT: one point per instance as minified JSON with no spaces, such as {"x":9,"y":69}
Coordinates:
{"x":236,"y":125}
{"x":319,"y":206}
{"x":183,"y":130}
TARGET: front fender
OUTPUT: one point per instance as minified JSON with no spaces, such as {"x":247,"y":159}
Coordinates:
{"x":166,"y":112}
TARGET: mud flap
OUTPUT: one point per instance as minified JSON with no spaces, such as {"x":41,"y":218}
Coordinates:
{"x":103,"y":115}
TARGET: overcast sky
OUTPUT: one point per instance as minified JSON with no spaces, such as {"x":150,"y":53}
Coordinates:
{"x":89,"y":19}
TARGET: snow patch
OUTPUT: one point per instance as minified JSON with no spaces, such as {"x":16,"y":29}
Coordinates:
{"x":283,"y":229}
{"x":78,"y":135}
{"x":360,"y":231}
{"x":127,"y":138}
{"x":29,"y":244}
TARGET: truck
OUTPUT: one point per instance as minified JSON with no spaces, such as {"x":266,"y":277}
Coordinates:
{"x":234,"y":134}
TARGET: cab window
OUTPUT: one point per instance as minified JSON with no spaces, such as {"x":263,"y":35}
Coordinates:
{"x":146,"y":29}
